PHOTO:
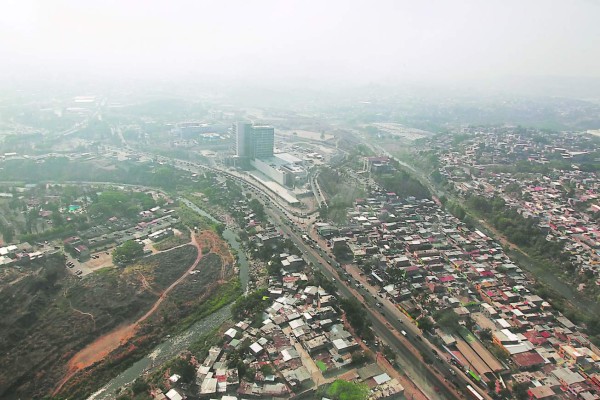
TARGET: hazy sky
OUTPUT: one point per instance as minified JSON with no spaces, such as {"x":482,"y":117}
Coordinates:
{"x":349,"y":40}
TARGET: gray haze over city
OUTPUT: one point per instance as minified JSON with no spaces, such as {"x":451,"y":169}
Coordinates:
{"x":367,"y":200}
{"x":482,"y":44}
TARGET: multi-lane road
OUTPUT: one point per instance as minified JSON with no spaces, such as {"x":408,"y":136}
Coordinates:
{"x":384,"y":325}
{"x":435,"y":377}
{"x":438,"y":380}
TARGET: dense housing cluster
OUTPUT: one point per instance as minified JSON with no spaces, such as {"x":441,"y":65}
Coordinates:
{"x":551,"y":180}
{"x":298,"y":341}
{"x":459,"y":284}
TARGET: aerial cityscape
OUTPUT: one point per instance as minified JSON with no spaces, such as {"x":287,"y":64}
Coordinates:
{"x":300,"y":200}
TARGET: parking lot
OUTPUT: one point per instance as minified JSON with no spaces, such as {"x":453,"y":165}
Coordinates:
{"x":95,"y":262}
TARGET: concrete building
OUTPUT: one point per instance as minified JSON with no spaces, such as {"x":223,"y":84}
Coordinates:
{"x":253,"y":141}
{"x":240,"y":132}
{"x":283,"y":168}
{"x":263,"y":141}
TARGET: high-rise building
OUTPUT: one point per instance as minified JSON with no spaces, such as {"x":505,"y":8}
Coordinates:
{"x":241,"y":132}
{"x":263,"y":138}
{"x":253,"y":141}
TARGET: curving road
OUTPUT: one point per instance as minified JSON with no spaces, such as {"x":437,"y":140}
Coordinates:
{"x":105,"y":344}
{"x":432,"y":379}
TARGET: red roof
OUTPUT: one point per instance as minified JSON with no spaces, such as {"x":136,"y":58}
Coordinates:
{"x":528,"y":359}
{"x":535,"y":337}
{"x":448,"y":278}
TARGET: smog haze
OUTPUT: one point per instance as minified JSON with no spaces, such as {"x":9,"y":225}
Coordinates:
{"x":302,"y":41}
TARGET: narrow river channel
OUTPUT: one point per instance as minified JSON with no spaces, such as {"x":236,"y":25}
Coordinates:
{"x":175,"y":345}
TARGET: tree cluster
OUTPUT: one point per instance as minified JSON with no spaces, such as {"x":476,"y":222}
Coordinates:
{"x":356,"y":317}
{"x":251,"y":306}
{"x":519,"y":230}
{"x":127,"y":252}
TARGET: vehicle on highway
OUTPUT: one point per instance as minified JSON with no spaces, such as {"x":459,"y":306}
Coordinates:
{"x":403,"y":332}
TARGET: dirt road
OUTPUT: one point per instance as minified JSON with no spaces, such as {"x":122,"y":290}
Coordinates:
{"x":104,"y":345}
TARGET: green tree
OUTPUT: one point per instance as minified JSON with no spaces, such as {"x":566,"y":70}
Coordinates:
{"x":250,"y":306}
{"x":356,"y":316}
{"x":140,"y":386}
{"x":165,"y":177}
{"x":183,"y":368}
{"x":127,"y":252}
{"x":447,"y":319}
{"x":425,"y":323}
{"x":485,"y":334}
{"x":257,"y":208}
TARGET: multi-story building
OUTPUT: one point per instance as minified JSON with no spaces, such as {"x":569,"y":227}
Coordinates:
{"x":240,"y":132}
{"x":263,"y":141}
{"x":253,"y":141}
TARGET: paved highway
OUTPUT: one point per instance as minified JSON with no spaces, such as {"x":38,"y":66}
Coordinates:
{"x":409,"y":349}
{"x":434,"y":387}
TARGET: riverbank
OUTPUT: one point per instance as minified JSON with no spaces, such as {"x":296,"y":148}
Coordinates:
{"x":170,"y":348}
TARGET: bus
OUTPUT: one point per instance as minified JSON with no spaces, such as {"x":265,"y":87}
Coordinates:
{"x":473,"y":393}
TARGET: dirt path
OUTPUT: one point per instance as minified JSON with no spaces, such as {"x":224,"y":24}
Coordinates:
{"x":104,"y":345}
{"x":174,"y":247}
{"x":146,"y":285}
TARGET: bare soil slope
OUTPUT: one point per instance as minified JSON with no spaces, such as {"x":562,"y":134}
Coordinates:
{"x":49,"y":315}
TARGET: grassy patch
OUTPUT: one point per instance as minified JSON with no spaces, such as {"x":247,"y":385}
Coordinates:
{"x":224,"y":295}
{"x":170,"y":242}
{"x":190,"y":218}
{"x":105,"y":271}
{"x":321,"y":365}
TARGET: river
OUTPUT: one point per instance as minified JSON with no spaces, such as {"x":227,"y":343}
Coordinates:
{"x":175,"y":345}
{"x":231,"y":238}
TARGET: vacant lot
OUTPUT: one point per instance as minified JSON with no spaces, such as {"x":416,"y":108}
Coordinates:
{"x":48,"y":315}
{"x":205,"y":290}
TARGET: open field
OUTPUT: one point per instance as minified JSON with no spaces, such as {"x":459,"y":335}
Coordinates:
{"x":205,"y":285}
{"x":49,"y":315}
